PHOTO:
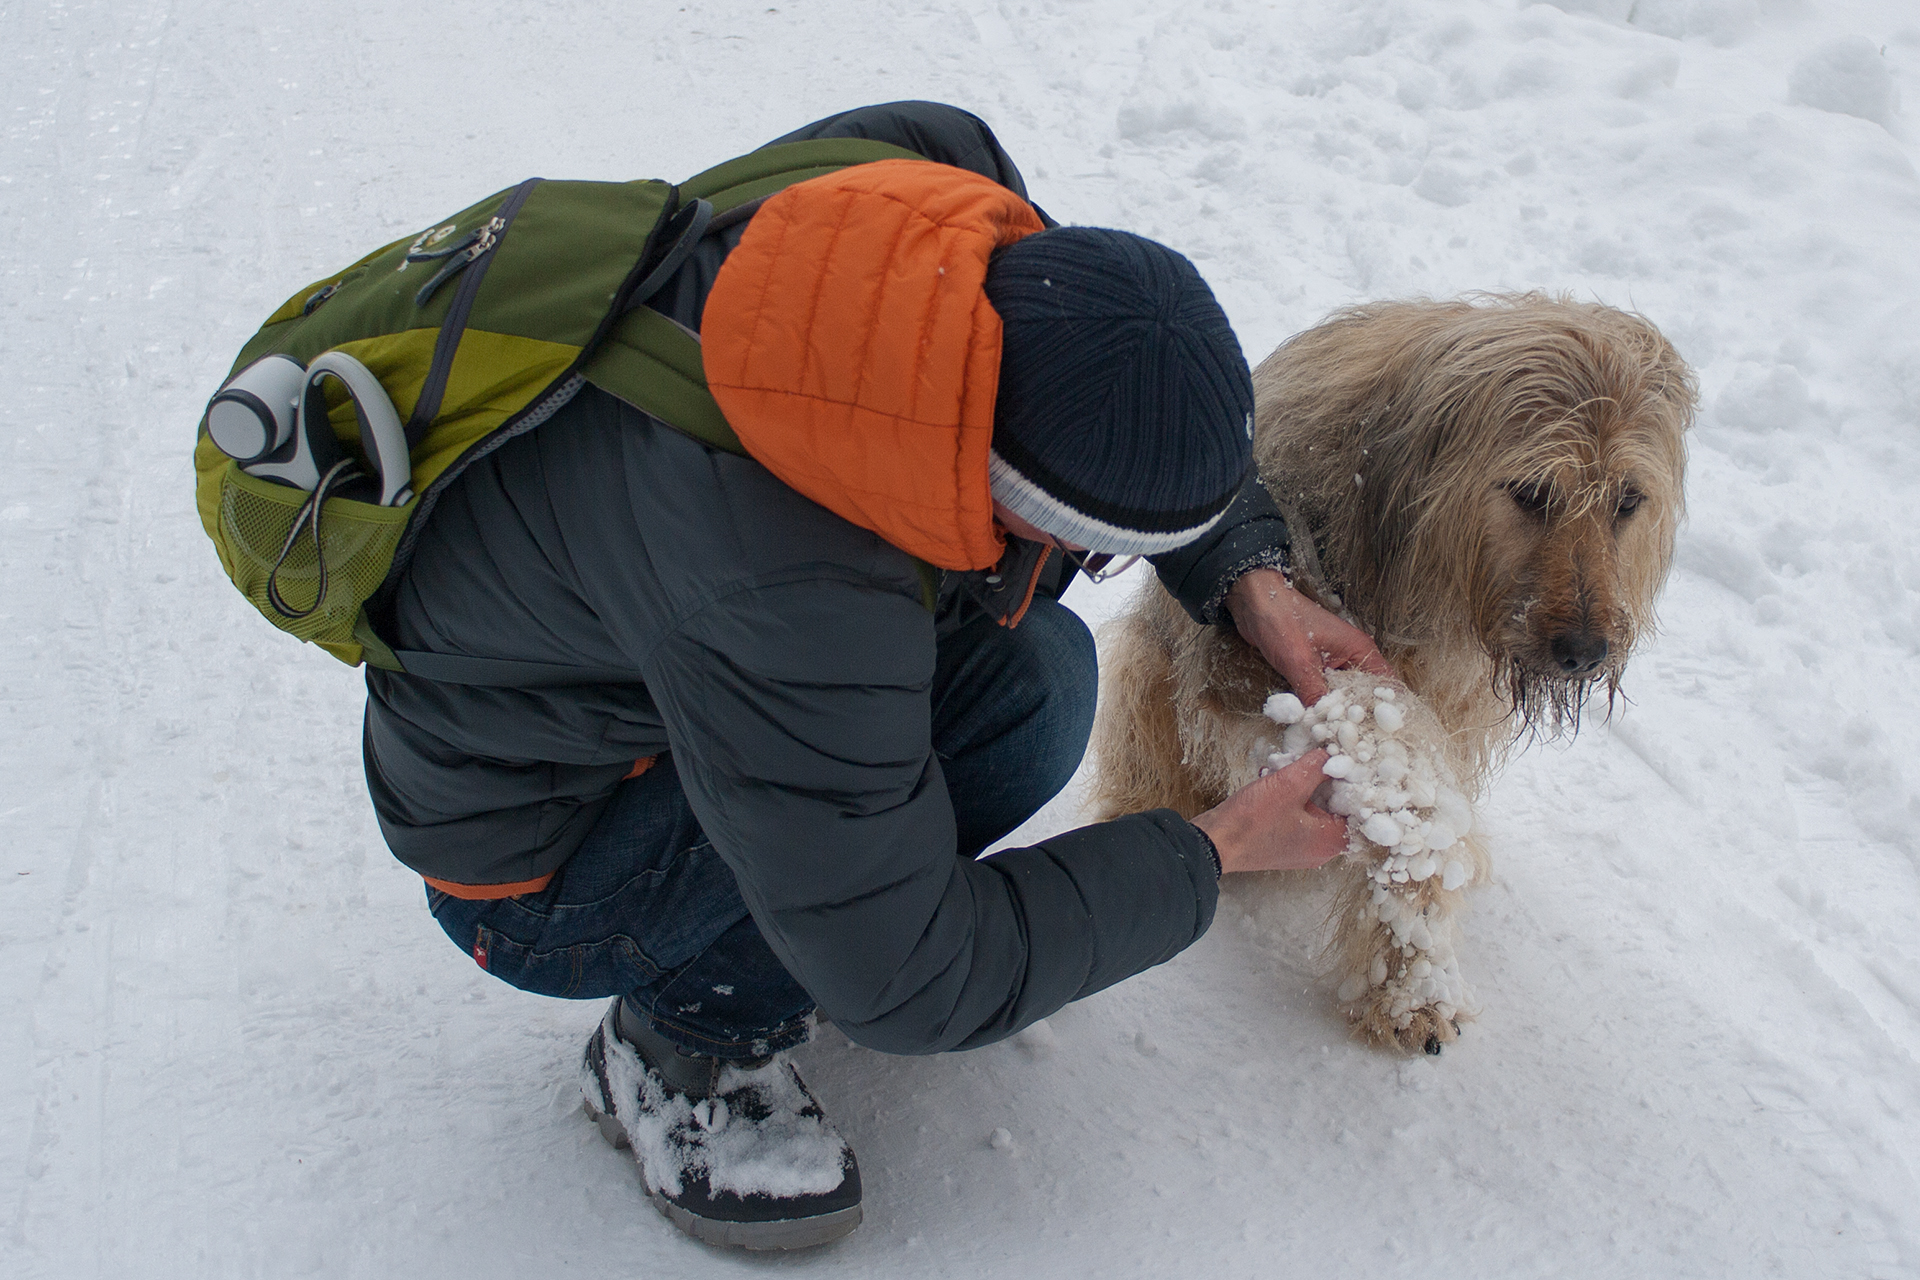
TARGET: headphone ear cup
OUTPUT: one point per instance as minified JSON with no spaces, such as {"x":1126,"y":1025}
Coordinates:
{"x":254,"y":414}
{"x":242,"y":425}
{"x":311,"y":449}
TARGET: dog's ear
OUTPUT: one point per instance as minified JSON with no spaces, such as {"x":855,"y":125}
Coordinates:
{"x":1407,"y":486}
{"x":1400,"y":458}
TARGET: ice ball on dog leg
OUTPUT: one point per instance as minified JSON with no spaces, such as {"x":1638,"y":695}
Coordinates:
{"x":1285,"y":708}
{"x":1452,"y":808}
{"x":1338,"y":767}
{"x":1382,"y":830}
{"x":1391,"y":718}
{"x":1454,"y":876}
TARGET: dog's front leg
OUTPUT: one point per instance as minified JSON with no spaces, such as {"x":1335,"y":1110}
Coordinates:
{"x":1399,"y":981}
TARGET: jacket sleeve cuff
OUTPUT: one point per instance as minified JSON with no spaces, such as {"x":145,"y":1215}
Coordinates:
{"x":1213,"y":850}
{"x":1251,"y":535}
{"x":1157,"y":908}
{"x":1103,"y":903}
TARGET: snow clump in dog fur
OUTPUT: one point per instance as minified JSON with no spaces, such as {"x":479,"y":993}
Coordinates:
{"x":1406,"y":819}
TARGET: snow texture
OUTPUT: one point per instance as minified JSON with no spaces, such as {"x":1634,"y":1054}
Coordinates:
{"x":1849,"y":76}
{"x":232,"y":1041}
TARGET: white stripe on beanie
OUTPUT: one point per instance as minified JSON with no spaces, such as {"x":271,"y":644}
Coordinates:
{"x":1044,"y":511}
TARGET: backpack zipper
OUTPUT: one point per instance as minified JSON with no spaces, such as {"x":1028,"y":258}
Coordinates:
{"x":542,"y":407}
{"x":472,"y":258}
{"x":458,"y":256}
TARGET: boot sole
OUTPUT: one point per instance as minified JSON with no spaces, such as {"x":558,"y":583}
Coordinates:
{"x":781,"y":1233}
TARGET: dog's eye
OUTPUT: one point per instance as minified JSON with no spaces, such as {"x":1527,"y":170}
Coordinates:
{"x":1531,"y":498}
{"x":1629,"y":503}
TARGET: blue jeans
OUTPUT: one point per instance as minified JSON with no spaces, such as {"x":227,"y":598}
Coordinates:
{"x":647,"y":910}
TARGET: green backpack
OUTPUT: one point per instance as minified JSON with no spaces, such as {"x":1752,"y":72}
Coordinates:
{"x":477,"y":329}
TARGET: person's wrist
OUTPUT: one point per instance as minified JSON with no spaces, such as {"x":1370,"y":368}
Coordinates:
{"x":1256,"y":591}
{"x":1225,"y":835}
{"x":1258,"y":603}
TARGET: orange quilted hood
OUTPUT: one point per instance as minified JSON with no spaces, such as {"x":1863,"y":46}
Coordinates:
{"x":850,"y":343}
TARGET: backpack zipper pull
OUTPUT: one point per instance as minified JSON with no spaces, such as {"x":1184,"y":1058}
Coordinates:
{"x":458,"y":257}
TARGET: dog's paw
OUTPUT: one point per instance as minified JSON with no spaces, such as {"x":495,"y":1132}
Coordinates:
{"x":1409,"y":1002}
{"x":1423,"y":1030}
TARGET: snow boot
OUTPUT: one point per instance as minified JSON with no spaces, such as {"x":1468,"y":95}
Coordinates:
{"x":734,"y":1153}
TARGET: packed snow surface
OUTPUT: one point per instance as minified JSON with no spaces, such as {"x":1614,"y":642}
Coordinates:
{"x":233,"y":1043}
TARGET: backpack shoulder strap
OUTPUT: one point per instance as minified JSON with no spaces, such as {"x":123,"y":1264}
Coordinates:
{"x":758,"y":174}
{"x":653,"y":363}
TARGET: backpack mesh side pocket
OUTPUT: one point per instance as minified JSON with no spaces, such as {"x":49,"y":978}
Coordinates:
{"x":357,"y":541}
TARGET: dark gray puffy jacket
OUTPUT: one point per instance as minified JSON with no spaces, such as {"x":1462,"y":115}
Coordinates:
{"x":784,"y":659}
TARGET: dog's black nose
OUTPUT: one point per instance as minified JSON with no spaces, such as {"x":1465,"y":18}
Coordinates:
{"x":1580,"y":652}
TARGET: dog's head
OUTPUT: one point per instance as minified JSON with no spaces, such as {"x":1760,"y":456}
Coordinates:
{"x":1517,"y":483}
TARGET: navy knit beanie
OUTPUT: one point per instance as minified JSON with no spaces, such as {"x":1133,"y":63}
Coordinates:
{"x":1125,"y":413}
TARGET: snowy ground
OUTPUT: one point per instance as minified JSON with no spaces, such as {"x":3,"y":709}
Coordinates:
{"x":233,"y":1043}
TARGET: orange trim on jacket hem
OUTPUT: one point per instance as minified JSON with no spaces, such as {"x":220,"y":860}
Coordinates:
{"x":488,"y":892}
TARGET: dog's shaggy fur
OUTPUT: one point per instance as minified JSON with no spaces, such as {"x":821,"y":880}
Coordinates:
{"x":1490,"y":488}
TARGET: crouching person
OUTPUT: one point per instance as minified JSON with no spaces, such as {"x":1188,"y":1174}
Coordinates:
{"x":839,"y":669}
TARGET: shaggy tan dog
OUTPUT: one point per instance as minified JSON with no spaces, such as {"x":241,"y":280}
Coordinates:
{"x":1490,"y":488}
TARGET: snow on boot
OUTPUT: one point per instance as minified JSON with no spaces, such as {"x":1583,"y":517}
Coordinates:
{"x":733,"y":1153}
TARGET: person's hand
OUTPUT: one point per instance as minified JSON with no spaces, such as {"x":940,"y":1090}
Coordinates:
{"x":1272,"y":824}
{"x":1297,"y":637}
